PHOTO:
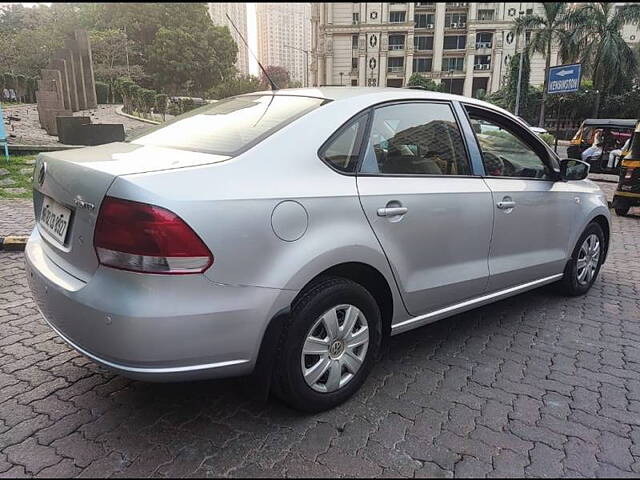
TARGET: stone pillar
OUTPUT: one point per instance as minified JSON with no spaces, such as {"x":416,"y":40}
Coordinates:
{"x":329,"y":70}
{"x":320,"y":73}
{"x":362,"y":70}
{"x":469,"y":63}
{"x":383,"y":69}
{"x":408,"y":67}
{"x":77,"y":61}
{"x":329,"y":12}
{"x":438,"y":39}
{"x":61,"y":66}
{"x":84,"y":47}
{"x":50,"y":98}
{"x":66,"y":55}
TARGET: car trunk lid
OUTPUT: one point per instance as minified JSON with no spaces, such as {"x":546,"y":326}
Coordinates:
{"x":73,"y":183}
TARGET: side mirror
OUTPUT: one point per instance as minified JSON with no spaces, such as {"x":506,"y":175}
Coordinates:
{"x":571,"y":169}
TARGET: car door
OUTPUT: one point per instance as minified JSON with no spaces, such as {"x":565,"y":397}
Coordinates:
{"x":431,"y":215}
{"x":533,"y":212}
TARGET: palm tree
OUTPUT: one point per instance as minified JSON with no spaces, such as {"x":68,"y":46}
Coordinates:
{"x":611,"y":62}
{"x":556,"y":26}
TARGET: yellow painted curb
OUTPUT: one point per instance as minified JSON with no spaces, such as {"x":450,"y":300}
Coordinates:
{"x":13,"y":243}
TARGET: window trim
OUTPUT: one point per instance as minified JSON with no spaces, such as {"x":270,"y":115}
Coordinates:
{"x":367,"y":132}
{"x":359,"y":142}
{"x":538,"y":146}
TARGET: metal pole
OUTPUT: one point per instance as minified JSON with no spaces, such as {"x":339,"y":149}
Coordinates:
{"x":558,"y":124}
{"x":518,"y":87}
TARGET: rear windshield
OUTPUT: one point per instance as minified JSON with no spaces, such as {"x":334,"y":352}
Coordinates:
{"x":230,"y":126}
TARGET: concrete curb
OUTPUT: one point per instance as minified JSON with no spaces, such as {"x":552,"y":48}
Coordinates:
{"x":13,"y":243}
{"x":145,"y":120}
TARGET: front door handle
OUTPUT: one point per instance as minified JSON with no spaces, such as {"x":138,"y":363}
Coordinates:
{"x":392,"y":211}
{"x":506,"y":204}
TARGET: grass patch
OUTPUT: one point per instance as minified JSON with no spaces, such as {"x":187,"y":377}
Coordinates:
{"x":17,"y":167}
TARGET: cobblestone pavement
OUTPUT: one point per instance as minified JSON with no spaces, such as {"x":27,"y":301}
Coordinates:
{"x":27,"y":130}
{"x":16,"y":216}
{"x":535,"y":385}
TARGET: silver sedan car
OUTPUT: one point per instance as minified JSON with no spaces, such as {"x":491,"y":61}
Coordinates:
{"x":288,"y":234}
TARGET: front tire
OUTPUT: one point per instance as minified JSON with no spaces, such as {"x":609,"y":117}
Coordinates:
{"x":329,"y":345}
{"x":583,"y":267}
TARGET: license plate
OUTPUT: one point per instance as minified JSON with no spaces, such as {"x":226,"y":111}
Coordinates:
{"x":54,"y":219}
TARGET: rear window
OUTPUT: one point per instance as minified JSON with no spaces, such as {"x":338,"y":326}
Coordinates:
{"x":230,"y":126}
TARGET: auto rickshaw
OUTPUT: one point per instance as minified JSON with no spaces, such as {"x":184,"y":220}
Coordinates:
{"x":627,"y":193}
{"x":600,"y":141}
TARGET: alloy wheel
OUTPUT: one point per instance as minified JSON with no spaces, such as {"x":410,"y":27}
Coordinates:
{"x":588,"y":258}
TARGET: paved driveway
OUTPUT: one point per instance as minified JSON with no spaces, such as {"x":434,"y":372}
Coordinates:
{"x":536,"y":385}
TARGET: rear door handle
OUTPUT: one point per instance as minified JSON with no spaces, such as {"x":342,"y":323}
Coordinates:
{"x":506,"y":204}
{"x":392,"y":211}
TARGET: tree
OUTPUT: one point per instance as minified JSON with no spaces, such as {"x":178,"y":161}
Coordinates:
{"x":557,"y":25}
{"x":512,"y":82}
{"x":279,"y":76}
{"x":161,"y":104}
{"x":609,"y":59}
{"x":236,"y":86}
{"x":417,"y":80}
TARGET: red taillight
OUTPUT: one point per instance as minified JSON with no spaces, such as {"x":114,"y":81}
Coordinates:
{"x":146,"y":238}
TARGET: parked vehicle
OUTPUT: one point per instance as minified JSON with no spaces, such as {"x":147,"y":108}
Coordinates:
{"x":599,"y":142}
{"x":537,"y":130}
{"x":291,"y":233}
{"x":627,"y":193}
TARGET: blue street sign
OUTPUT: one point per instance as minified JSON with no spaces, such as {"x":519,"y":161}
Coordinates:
{"x":564,"y":78}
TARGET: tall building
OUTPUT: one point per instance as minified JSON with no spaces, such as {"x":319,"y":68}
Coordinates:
{"x":238,"y":13}
{"x":467,"y":46}
{"x":281,"y":26}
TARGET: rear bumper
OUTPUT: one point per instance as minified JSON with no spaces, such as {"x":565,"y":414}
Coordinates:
{"x":154,"y":327}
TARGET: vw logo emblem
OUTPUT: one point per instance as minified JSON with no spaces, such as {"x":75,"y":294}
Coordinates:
{"x":42,"y":172}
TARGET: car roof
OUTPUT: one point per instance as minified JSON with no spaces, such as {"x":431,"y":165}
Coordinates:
{"x":611,"y":122}
{"x":377,"y":95}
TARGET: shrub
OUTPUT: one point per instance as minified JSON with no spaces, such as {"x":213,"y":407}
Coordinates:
{"x":548,"y":138}
{"x":102,"y":92}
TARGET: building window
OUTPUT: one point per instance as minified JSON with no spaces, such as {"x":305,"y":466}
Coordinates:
{"x":455,"y":42}
{"x":396,"y":64}
{"x":354,"y":83}
{"x":424,"y":20}
{"x":485,"y":15}
{"x":397,"y":17}
{"x":396,"y":42}
{"x":482,"y":62}
{"x":453,"y":63}
{"x":455,"y":20}
{"x":423,"y":43}
{"x":529,"y":11}
{"x":356,"y":17}
{"x":354,"y":41}
{"x":422,"y":65}
{"x":484,"y":40}
{"x":354,"y":63}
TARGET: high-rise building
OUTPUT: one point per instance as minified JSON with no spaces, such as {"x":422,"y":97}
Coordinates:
{"x":284,"y":37}
{"x":238,"y":13}
{"x":467,"y":46}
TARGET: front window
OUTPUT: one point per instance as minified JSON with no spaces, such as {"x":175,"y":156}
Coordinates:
{"x":484,"y":39}
{"x":504,"y":153}
{"x":415,"y":139}
{"x":397,"y":17}
{"x":455,"y":42}
{"x":455,"y":20}
{"x":396,"y":42}
{"x":422,"y":65}
{"x":424,"y":20}
{"x":396,"y":64}
{"x":423,"y":43}
{"x":230,"y":126}
{"x":453,"y":63}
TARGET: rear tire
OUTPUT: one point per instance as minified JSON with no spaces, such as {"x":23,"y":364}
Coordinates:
{"x":583,"y":267}
{"x":340,"y":366}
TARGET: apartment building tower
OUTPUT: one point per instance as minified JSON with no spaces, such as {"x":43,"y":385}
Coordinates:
{"x":238,"y":13}
{"x":284,"y":37}
{"x":467,"y":46}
